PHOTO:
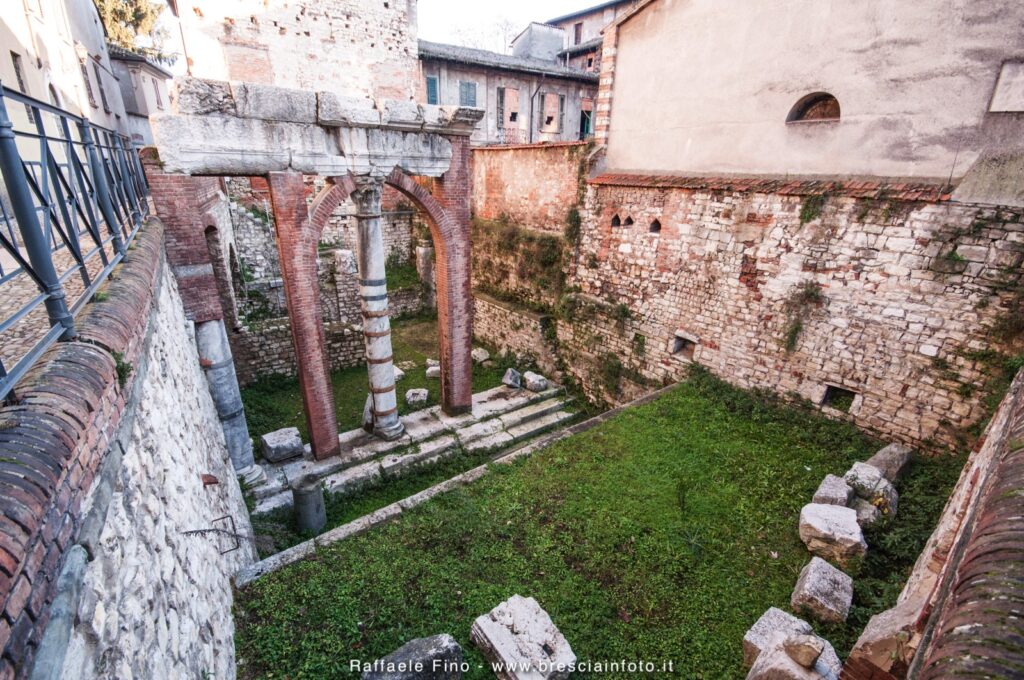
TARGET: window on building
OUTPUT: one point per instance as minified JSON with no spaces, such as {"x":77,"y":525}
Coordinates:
{"x":616,"y":221}
{"x":655,"y":226}
{"x":628,"y":222}
{"x":88,"y":84}
{"x":467,"y":93}
{"x":99,"y":84}
{"x":508,"y":107}
{"x":684,"y":346}
{"x":156,"y":92}
{"x":590,"y":63}
{"x":19,"y":72}
{"x":820,"y":106}
{"x":577,"y":33}
{"x":432,"y":97}
{"x":586,"y":118}
{"x":552,"y":112}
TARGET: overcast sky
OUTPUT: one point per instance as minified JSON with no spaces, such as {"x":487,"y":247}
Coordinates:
{"x":485,"y":23}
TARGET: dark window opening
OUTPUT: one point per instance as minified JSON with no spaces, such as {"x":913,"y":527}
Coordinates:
{"x":88,"y":85}
{"x":616,"y":221}
{"x":683,"y":347}
{"x":655,"y":227}
{"x":99,"y":84}
{"x":513,"y":117}
{"x":577,"y":33}
{"x":820,"y":106}
{"x":838,"y":398}
{"x":628,"y":222}
{"x":590,"y":62}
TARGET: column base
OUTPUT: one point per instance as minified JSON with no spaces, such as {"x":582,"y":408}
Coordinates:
{"x":390,"y":432}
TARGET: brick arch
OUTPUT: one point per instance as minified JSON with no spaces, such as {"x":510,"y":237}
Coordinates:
{"x":453,"y":288}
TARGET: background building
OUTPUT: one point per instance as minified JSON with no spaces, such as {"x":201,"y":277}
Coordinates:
{"x":526,"y":99}
{"x":144,"y":88}
{"x":583,"y":32}
{"x":56,"y":51}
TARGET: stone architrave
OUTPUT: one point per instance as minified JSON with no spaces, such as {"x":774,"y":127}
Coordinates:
{"x":520,"y":636}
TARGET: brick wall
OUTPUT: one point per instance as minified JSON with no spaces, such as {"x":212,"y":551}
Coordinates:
{"x":533,"y":186}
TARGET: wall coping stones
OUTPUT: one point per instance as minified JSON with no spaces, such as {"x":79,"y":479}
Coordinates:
{"x":877,"y":189}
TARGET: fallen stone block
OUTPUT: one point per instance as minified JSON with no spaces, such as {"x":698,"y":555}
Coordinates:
{"x":534,"y":381}
{"x":399,"y":374}
{"x":867,"y":514}
{"x":774,"y":620}
{"x":776,"y":663}
{"x":433,"y":362}
{"x":480,"y":355}
{"x":822,"y":591}
{"x":433,"y":371}
{"x":869,"y":483}
{"x":833,"y":490}
{"x":520,"y":636}
{"x":283,"y":444}
{"x":512,"y":378}
{"x":832,"y":532}
{"x":416,"y":397}
{"x":438,"y":657}
{"x":892,"y":461}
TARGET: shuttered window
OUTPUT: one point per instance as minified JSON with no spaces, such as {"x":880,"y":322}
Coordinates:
{"x":467,"y":94}
{"x":432,"y":90}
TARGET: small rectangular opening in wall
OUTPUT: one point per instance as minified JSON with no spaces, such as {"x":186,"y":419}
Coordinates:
{"x":838,"y":398}
{"x":683,"y":346}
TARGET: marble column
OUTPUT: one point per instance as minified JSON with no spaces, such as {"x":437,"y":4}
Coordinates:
{"x":371,"y":258}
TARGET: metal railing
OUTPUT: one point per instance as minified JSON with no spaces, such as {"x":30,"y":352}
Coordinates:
{"x":72,"y":199}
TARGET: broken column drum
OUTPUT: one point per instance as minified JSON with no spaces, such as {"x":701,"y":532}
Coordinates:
{"x":373,"y":292}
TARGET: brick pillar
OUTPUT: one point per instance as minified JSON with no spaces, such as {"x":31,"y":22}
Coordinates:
{"x":454,"y":291}
{"x":373,"y":292}
{"x":180,"y":203}
{"x":296,"y":244}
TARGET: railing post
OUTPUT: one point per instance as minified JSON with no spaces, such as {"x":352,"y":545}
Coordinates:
{"x":126,"y":179}
{"x":36,"y":243}
{"x":99,"y":183}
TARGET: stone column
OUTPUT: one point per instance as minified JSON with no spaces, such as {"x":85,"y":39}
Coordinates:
{"x":215,"y":353}
{"x":296,"y":244}
{"x":373,"y":291}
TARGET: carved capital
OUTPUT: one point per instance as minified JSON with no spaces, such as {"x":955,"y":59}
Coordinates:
{"x":367,"y":195}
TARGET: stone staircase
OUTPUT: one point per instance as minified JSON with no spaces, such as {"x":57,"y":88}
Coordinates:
{"x":501,"y":418}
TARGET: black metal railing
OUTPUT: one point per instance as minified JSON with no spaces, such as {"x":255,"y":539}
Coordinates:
{"x":72,"y":199}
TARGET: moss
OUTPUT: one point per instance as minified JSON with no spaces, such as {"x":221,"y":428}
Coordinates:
{"x":802,"y":299}
{"x":573,"y":224}
{"x":609,"y":371}
{"x":123,"y":368}
{"x":811,"y":207}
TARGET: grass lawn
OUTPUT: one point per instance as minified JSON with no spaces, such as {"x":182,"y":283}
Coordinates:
{"x":276,"y":402}
{"x":661,"y":534}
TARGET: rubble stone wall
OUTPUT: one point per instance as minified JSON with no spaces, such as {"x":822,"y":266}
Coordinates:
{"x":891,"y":299}
{"x":509,"y":328}
{"x":104,"y":456}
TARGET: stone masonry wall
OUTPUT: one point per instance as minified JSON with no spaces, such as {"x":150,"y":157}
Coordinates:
{"x":510,"y":328}
{"x":907,"y":287}
{"x":533,"y":186}
{"x":349,"y":47}
{"x":156,"y":602}
{"x":102,"y":418}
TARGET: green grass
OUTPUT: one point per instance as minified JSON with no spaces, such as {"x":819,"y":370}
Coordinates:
{"x":661,"y":534}
{"x":276,"y":402}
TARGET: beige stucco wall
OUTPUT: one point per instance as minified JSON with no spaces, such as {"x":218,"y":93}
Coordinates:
{"x":704,"y":86}
{"x":351,"y":47}
{"x":51,"y":37}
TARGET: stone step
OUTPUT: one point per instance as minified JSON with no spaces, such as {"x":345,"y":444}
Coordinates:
{"x":359,"y":446}
{"x":503,"y":429}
